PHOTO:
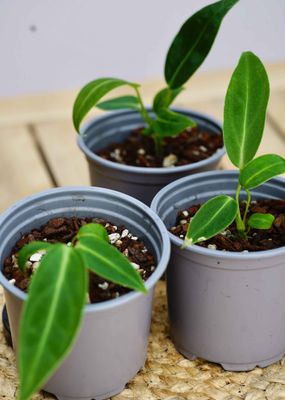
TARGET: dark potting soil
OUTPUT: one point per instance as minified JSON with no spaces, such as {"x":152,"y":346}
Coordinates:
{"x":229,"y":240}
{"x":190,"y":146}
{"x":63,"y":230}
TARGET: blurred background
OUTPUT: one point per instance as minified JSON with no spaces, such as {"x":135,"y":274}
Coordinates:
{"x":52,"y":45}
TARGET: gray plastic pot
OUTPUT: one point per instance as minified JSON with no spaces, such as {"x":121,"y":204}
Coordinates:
{"x":225,"y":307}
{"x":111,"y":346}
{"x":139,"y":182}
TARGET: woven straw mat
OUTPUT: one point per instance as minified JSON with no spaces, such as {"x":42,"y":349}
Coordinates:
{"x":168,"y":375}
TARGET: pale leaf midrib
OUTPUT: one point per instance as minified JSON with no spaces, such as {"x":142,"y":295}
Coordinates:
{"x":50,"y":317}
{"x":106,"y":260}
{"x":262,"y":170}
{"x":212,"y":218}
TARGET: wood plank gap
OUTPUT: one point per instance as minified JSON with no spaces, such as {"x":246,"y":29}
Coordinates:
{"x":274,"y":124}
{"x":41,"y":152}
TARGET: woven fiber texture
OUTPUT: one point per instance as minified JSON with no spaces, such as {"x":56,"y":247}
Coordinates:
{"x":168,"y":375}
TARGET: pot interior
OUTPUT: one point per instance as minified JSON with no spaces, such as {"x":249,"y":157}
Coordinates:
{"x":118,"y":126}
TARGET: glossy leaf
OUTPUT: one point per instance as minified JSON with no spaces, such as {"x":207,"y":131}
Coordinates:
{"x":193,"y":42}
{"x":212,"y":218}
{"x":261,"y":221}
{"x":245,"y":109}
{"x":170,"y":123}
{"x":92,"y":93}
{"x":260,"y":170}
{"x":91,"y":230}
{"x":164,"y":98}
{"x":28,"y":250}
{"x":120,"y":103}
{"x":51,"y":316}
{"x":107,"y":261}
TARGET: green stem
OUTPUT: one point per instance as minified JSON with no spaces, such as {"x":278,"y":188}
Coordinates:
{"x":246,"y":207}
{"x":158,"y":145}
{"x":143,"y":110}
{"x":239,"y":222}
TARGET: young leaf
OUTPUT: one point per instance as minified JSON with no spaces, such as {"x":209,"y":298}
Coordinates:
{"x":28,"y":250}
{"x":164,"y":98}
{"x":120,"y":103}
{"x":91,"y":230}
{"x":212,"y":218}
{"x":51,"y":316}
{"x":193,"y":42}
{"x":260,"y":170}
{"x":245,"y":109}
{"x":91,"y":93}
{"x":106,"y":261}
{"x":261,"y":221}
{"x":170,"y":123}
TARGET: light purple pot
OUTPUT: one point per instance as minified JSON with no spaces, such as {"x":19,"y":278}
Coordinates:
{"x":139,"y":182}
{"x":111,"y":346}
{"x":225,"y":307}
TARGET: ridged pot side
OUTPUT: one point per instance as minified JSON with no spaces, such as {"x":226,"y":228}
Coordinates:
{"x":111,"y":346}
{"x":139,"y":182}
{"x":225,"y":307}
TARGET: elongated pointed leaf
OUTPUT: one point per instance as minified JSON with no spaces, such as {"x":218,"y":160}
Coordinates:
{"x":260,"y":170}
{"x":106,"y":261}
{"x":92,"y":93}
{"x":28,"y":250}
{"x":212,"y":218}
{"x":261,"y":221}
{"x":193,"y":42}
{"x":120,"y":103}
{"x":245,"y":109}
{"x":51,"y":316}
{"x":164,"y":98}
{"x":96,"y":231}
{"x":170,"y":123}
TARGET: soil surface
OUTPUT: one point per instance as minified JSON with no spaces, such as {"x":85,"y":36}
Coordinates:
{"x":229,"y":240}
{"x":63,"y":230}
{"x":190,"y":146}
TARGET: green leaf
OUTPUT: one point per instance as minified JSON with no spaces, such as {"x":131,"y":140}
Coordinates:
{"x":164,"y":98}
{"x":107,"y":261}
{"x":96,"y":231}
{"x":245,"y":109}
{"x":261,"y":221}
{"x":260,"y":170}
{"x":28,"y":250}
{"x":193,"y":42}
{"x":51,"y":316}
{"x":212,"y":218}
{"x":120,"y":103}
{"x":170,"y":123}
{"x":91,"y":93}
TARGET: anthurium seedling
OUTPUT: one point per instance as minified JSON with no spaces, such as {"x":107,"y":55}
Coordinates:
{"x":187,"y":52}
{"x":57,"y":294}
{"x":244,"y":118}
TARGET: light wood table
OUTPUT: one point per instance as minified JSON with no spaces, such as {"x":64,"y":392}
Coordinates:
{"x":37,"y":140}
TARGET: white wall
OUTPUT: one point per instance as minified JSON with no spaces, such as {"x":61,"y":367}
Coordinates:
{"x":61,"y":44}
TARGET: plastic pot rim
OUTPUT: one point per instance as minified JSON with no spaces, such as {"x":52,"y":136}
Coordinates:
{"x":117,"y":302}
{"x":225,"y":255}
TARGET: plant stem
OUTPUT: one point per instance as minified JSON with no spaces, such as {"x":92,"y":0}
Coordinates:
{"x":158,"y":145}
{"x":239,"y":222}
{"x":143,"y":110}
{"x":246,"y":207}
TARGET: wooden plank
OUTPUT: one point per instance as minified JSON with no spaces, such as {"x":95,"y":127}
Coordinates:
{"x":277,"y":110}
{"x":272,"y":142}
{"x":21,"y":169}
{"x":57,"y":106}
{"x":65,"y":160}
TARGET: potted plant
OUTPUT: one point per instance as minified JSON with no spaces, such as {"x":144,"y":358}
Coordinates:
{"x":141,"y":149}
{"x":73,"y":349}
{"x":225,"y":287}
